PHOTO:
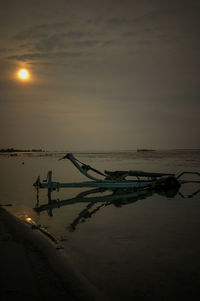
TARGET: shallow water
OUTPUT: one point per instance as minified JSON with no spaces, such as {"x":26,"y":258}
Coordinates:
{"x":142,"y":245}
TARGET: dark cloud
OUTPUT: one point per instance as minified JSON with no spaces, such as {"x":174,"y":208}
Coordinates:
{"x":58,"y":30}
{"x":40,"y":43}
{"x":144,"y":42}
{"x":129,"y":34}
{"x":76,"y":34}
{"x":96,"y":21}
{"x":37,"y":36}
{"x":4,"y":50}
{"x":86,"y":43}
{"x":42,"y":30}
{"x":118,"y":21}
{"x":155,"y":15}
{"x":51,"y":43}
{"x":111,"y":42}
{"x":183,"y":12}
{"x":40,"y":38}
{"x":39,"y":56}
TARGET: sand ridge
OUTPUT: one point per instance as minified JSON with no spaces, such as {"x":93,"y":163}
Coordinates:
{"x":32,"y":268}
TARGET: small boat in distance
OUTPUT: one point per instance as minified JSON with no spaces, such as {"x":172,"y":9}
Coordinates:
{"x":145,"y":150}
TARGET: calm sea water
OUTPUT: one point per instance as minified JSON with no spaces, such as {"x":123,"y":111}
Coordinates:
{"x":141,"y":246}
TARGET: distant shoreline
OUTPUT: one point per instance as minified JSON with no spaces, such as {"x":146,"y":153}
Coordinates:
{"x":40,"y":152}
{"x":14,"y":150}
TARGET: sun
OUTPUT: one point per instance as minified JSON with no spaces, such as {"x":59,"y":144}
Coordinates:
{"x":23,"y":74}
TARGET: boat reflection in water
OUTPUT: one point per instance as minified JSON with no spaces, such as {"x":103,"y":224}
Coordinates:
{"x":95,"y":201}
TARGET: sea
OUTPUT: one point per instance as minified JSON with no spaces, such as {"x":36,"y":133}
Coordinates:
{"x":138,"y":245}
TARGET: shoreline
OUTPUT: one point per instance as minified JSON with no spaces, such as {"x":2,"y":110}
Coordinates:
{"x":32,"y":267}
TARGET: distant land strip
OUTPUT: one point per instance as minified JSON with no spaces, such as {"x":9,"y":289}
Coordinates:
{"x":13,"y":150}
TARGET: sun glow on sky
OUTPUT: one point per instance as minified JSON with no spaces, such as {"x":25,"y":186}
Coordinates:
{"x":23,"y":74}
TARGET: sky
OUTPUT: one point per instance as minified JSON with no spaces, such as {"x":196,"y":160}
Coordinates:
{"x":104,"y":75}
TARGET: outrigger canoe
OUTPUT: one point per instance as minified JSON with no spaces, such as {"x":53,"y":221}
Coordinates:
{"x":116,"y":179}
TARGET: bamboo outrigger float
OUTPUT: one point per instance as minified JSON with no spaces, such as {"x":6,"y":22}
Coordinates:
{"x":116,"y":180}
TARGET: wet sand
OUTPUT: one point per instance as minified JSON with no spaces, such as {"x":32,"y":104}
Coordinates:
{"x":32,"y":268}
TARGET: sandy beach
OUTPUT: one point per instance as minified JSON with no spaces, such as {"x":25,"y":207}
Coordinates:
{"x":34,"y":268}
